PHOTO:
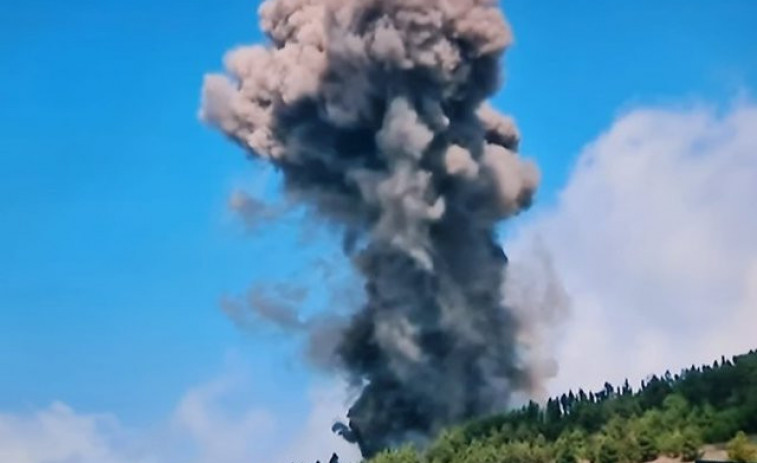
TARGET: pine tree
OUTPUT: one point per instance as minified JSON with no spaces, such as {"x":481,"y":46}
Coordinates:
{"x":609,"y":451}
{"x":691,"y":443}
{"x":648,"y":448}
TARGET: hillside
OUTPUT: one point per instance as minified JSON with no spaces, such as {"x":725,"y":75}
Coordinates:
{"x":670,"y":417}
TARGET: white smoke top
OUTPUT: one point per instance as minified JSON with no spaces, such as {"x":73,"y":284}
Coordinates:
{"x":375,"y":113}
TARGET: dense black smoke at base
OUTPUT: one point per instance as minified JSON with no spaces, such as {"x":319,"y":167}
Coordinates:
{"x":374,"y":111}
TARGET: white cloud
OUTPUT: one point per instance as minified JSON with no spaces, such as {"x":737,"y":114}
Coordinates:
{"x":315,"y":439}
{"x":211,"y":424}
{"x":219,"y":433}
{"x":655,"y":237}
{"x":60,"y":435}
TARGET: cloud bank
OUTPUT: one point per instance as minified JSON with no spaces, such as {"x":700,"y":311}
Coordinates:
{"x":655,"y":236}
{"x":210,"y":424}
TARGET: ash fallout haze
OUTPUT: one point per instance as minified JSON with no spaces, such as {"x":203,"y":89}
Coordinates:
{"x":376,"y":114}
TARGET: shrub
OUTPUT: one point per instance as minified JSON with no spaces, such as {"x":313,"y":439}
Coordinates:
{"x":741,"y":450}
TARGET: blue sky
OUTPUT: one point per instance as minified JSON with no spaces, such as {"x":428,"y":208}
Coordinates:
{"x":117,"y":244}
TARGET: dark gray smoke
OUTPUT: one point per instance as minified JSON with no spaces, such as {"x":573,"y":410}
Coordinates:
{"x":375,"y":112}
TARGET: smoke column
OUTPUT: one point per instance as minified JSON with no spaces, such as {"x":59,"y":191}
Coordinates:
{"x":375,"y":113}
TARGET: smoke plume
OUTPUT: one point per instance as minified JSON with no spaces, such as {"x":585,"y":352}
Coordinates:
{"x":375,"y":113}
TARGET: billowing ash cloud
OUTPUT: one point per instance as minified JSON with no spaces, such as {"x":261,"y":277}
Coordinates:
{"x":375,"y":112}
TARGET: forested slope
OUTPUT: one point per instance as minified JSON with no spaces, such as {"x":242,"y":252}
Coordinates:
{"x":671,"y":415}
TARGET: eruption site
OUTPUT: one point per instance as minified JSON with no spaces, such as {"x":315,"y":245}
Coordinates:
{"x":375,"y":113}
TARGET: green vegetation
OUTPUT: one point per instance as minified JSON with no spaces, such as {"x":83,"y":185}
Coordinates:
{"x":741,"y":450}
{"x":672,"y":415}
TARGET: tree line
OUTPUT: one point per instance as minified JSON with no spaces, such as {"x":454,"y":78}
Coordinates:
{"x":672,"y":415}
